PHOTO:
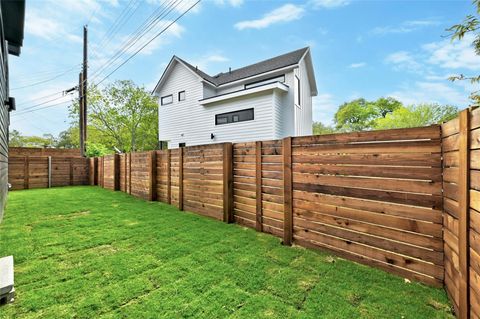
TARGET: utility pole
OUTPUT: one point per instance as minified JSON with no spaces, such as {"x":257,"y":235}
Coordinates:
{"x":81,"y":113}
{"x":84,"y":89}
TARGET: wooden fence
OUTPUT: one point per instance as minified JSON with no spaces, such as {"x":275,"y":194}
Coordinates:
{"x":461,"y":174}
{"x":26,"y":172}
{"x":374,"y":197}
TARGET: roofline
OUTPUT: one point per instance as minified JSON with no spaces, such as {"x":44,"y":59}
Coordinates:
{"x":240,"y":93}
{"x":311,"y":73}
{"x":170,"y":64}
{"x":285,"y":68}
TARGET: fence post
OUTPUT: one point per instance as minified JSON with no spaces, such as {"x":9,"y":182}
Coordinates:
{"x":464,"y":203}
{"x":103,"y":171}
{"x":125,"y":174}
{"x":153,"y":176}
{"x":180,"y":178}
{"x":49,"y":172}
{"x":71,"y":171}
{"x":95,"y":171}
{"x":130,"y":173}
{"x":116,"y":172}
{"x":169,"y":178}
{"x":26,"y":172}
{"x":287,"y":191}
{"x":228,"y":182}
{"x":258,"y":183}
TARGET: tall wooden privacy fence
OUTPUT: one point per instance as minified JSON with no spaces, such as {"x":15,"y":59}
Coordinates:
{"x":374,"y":197}
{"x":26,"y":172}
{"x":461,"y":177}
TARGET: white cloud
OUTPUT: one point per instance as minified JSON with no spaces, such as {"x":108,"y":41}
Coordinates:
{"x":403,"y":60}
{"x":454,"y":55}
{"x":233,"y":3}
{"x":357,"y":65}
{"x":205,"y":62}
{"x":329,"y":3}
{"x":174,"y":31}
{"x":405,"y":27}
{"x":285,"y":13}
{"x":432,"y":92}
{"x":41,"y":26}
{"x":324,"y":107}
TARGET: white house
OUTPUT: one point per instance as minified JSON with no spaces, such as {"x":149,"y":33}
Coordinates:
{"x":267,"y":100}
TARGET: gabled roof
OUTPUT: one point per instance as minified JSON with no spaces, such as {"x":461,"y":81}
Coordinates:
{"x":275,"y":63}
{"x":278,"y":62}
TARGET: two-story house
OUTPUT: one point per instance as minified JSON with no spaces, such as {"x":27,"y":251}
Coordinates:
{"x":267,"y":100}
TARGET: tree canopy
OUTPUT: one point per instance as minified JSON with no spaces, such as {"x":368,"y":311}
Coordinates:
{"x":470,"y":25}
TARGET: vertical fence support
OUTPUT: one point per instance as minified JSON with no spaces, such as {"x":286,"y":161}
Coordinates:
{"x":95,"y":171}
{"x":116,"y":172}
{"x":125,"y":172}
{"x":228,"y":182}
{"x":71,"y":171}
{"x":49,"y":172}
{"x":464,"y":203}
{"x":26,"y":172}
{"x":153,"y":176}
{"x":129,"y":173}
{"x":287,"y":192}
{"x":169,"y":178}
{"x":180,"y":178}
{"x":103,"y":171}
{"x":258,"y":187}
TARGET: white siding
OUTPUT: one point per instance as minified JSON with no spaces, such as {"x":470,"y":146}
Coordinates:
{"x":303,"y":112}
{"x":191,"y":123}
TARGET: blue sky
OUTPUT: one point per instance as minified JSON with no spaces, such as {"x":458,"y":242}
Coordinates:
{"x":359,"y":48}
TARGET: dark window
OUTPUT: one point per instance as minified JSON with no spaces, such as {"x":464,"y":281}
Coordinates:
{"x":167,"y":99}
{"x":181,"y":144}
{"x":297,"y":90}
{"x":181,"y":96}
{"x":280,"y":78}
{"x":232,"y":117}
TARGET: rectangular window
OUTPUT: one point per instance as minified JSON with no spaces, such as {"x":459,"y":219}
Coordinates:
{"x":297,"y":90}
{"x":167,"y":99}
{"x":181,"y":144}
{"x":232,"y":117}
{"x":181,"y":96}
{"x":280,"y":78}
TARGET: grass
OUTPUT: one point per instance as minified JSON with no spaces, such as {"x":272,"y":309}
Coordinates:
{"x":87,"y":252}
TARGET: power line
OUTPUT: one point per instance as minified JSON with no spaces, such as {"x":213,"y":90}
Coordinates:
{"x":141,"y":31}
{"x":39,"y":104}
{"x":45,"y":81}
{"x":148,"y":42}
{"x":41,"y":108}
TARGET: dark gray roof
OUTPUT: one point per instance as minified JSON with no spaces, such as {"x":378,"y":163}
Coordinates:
{"x":277,"y":62}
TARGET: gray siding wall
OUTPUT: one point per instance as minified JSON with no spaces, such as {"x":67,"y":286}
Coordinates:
{"x":4,"y":123}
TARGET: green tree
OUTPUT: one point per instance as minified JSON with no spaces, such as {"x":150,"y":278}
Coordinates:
{"x":470,"y":25}
{"x":123,"y":116}
{"x":68,"y":138}
{"x":416,"y":116}
{"x":15,"y":139}
{"x":319,"y":129}
{"x":360,"y":114}
{"x":96,"y":150}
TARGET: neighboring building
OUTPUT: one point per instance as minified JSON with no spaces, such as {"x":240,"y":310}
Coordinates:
{"x":12,"y":15}
{"x":271,"y":99}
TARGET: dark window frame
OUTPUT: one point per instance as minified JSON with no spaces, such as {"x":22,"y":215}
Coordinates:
{"x":182,"y":144}
{"x":230,"y":115}
{"x":184,"y":96}
{"x":164,"y":97}
{"x":298,"y":89}
{"x":259,"y":83}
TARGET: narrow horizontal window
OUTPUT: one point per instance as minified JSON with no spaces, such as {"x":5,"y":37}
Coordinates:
{"x":181,"y":96}
{"x":233,"y":117}
{"x":280,"y":78}
{"x":167,"y":99}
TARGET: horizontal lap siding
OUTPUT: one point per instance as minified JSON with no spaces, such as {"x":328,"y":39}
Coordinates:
{"x":375,"y":197}
{"x":475,"y":214}
{"x":203,"y":180}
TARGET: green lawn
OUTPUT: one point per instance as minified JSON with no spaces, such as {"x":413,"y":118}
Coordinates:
{"x":87,"y":252}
